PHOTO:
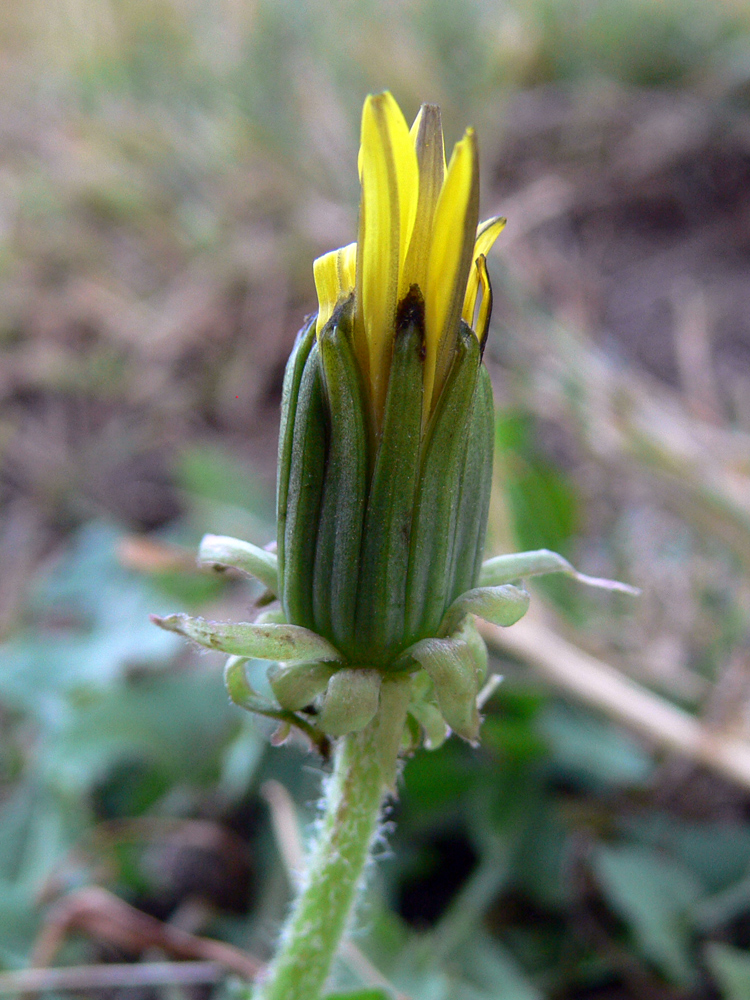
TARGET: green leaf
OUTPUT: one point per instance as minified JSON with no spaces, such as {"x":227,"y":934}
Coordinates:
{"x":593,"y":750}
{"x":221,"y":551}
{"x":543,"y":500}
{"x":179,"y":723}
{"x":544,"y":863}
{"x":288,"y":643}
{"x":717,"y":851}
{"x":19,"y":921}
{"x":492,"y":967}
{"x":89,"y":618}
{"x":439,"y":782}
{"x":241,"y":760}
{"x":654,"y":896}
{"x":518,"y":565}
{"x":16,"y":818}
{"x":225,"y":491}
{"x":731,"y":969}
{"x":360,"y":995}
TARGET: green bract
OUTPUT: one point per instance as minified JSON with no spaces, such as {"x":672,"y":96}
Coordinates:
{"x":381,"y":531}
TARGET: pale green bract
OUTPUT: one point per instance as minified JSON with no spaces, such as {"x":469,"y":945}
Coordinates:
{"x":262,"y":642}
{"x":222,"y":552}
{"x":444,"y":672}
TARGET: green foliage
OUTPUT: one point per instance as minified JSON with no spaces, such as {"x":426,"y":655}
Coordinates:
{"x":176,"y":724}
{"x":653,"y":895}
{"x":495,"y":970}
{"x":87,"y":625}
{"x":542,"y":500}
{"x":116,"y":731}
{"x":119,"y":733}
{"x":637,"y":42}
{"x":731,"y":967}
{"x":216,"y":475}
{"x":592,"y":751}
{"x":359,"y":995}
{"x":718,"y":851}
{"x":223,"y":492}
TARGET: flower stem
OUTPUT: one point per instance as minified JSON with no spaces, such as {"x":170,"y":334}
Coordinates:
{"x":364,"y":763}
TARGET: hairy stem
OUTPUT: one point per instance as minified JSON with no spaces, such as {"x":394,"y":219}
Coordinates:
{"x":353,"y":796}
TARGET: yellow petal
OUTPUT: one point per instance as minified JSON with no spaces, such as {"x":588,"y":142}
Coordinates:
{"x":470,"y":299}
{"x":427,"y":136}
{"x":390,"y":180}
{"x":482,"y":325}
{"x":487,"y":232}
{"x":347,"y":268}
{"x":334,"y":274}
{"x":423,"y":127}
{"x":453,"y":235}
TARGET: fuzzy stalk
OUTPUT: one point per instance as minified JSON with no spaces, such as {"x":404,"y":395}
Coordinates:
{"x":352,"y":798}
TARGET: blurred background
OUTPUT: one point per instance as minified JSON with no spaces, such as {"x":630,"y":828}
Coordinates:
{"x":168,"y":171}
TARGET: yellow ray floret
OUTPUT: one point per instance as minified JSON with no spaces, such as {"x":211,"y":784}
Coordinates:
{"x":487,"y":233}
{"x":388,"y":207}
{"x":334,"y":280}
{"x":427,"y":136}
{"x":417,"y":226}
{"x":450,"y":259}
